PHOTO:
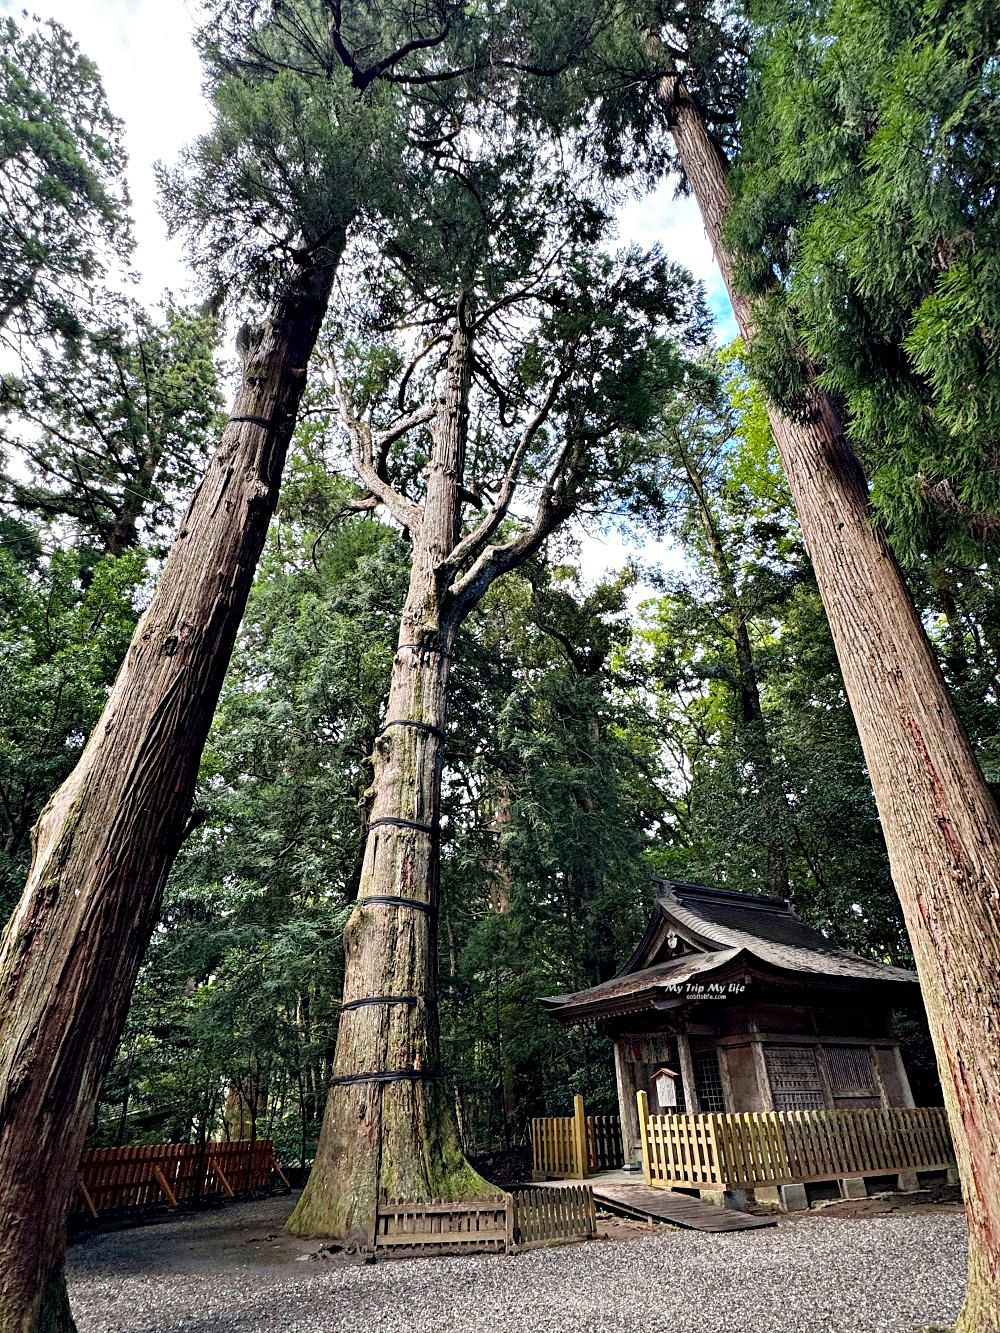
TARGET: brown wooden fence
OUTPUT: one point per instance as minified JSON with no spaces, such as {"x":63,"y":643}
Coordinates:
{"x":553,"y":1213}
{"x":738,"y":1151}
{"x":173,"y":1173}
{"x":575,"y":1146}
{"x":481,"y":1226}
{"x":517,"y":1221}
{"x":604,"y":1143}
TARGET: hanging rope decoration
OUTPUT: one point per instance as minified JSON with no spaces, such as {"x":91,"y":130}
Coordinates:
{"x":388,"y":1076}
{"x":414,"y":1000}
{"x":403,"y":823}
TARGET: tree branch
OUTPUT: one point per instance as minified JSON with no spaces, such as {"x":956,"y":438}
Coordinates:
{"x":553,"y":508}
{"x":470,"y":546}
{"x":405,"y":512}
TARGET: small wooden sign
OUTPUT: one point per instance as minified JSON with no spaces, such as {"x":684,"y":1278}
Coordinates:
{"x":665,"y":1083}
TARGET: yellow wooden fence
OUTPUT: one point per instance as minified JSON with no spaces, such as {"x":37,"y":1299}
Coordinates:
{"x":574,"y":1146}
{"x":739,"y":1151}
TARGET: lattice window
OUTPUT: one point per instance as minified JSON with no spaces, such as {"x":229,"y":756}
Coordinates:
{"x":793,"y":1074}
{"x":708,"y":1081}
{"x":852,"y":1076}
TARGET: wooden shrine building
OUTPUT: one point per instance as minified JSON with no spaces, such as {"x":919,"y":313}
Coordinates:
{"x":732,"y":1003}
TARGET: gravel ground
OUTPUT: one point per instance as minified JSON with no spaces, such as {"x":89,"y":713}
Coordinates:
{"x":235,"y":1270}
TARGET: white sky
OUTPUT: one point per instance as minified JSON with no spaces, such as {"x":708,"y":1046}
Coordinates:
{"x":152,"y":77}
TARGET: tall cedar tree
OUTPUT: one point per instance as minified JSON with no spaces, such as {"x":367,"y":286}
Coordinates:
{"x":539,"y":365}
{"x":941,"y":825}
{"x":307,"y":130}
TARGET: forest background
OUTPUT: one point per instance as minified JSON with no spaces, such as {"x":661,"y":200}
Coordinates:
{"x":602,"y":728}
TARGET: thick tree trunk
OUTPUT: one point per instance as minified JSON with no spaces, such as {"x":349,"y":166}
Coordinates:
{"x":389,"y":1129}
{"x":105,"y":842}
{"x":941,"y":825}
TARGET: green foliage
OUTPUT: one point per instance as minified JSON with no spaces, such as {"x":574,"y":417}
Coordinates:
{"x":867,"y":187}
{"x":60,"y":643}
{"x":114,"y":437}
{"x":62,"y":189}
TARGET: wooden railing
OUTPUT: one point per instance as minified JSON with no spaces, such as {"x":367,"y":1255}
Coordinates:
{"x":516,"y":1221}
{"x":173,"y":1173}
{"x":574,"y":1146}
{"x":604,"y":1142}
{"x":739,"y":1151}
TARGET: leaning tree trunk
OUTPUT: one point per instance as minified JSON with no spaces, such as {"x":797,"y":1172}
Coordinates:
{"x":941,"y":825}
{"x":105,"y":842}
{"x":389,"y":1130}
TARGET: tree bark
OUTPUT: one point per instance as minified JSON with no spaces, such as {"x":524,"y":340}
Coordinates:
{"x":942,"y":827}
{"x":105,"y":842}
{"x":389,"y":1130}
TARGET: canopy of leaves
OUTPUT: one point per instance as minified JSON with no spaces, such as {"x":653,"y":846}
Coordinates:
{"x":867,"y":212}
{"x":63,"y":200}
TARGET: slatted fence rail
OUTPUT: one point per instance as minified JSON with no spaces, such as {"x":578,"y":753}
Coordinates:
{"x":432,"y":1227}
{"x":521,"y":1220}
{"x":173,"y":1173}
{"x":575,"y":1145}
{"x":553,"y":1213}
{"x":604,"y":1143}
{"x":553,"y":1146}
{"x":738,"y":1151}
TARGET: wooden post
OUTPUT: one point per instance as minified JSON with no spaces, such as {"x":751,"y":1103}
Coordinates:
{"x":687,"y":1073}
{"x":580,"y":1137}
{"x":642,"y":1101}
{"x":904,"y":1078}
{"x":216,"y":1166}
{"x":88,"y":1200}
{"x":161,"y":1180}
{"x":764,"y":1092}
{"x":280,"y":1174}
{"x":625,"y":1078}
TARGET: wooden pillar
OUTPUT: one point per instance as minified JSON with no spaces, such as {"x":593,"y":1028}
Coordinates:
{"x":722,"y":1055}
{"x":904,"y":1078}
{"x":580,"y":1137}
{"x":627,"y":1110}
{"x":642,"y":1106}
{"x":687,"y":1073}
{"x":764,"y":1095}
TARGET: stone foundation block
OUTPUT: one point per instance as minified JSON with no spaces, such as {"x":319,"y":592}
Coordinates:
{"x":794,"y":1198}
{"x":853,"y":1187}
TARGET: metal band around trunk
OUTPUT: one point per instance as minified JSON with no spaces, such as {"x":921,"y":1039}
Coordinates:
{"x":395,"y":902}
{"x":386,"y":1076}
{"x":417,"y":726}
{"x":381,"y":999}
{"x":257,"y":421}
{"x":424,"y":648}
{"x":403,"y":823}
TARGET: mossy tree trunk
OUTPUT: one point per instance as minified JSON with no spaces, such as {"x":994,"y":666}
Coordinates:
{"x":941,"y":825}
{"x":105,"y":842}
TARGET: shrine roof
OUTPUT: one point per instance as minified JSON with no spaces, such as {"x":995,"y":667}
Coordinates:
{"x":698,"y":935}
